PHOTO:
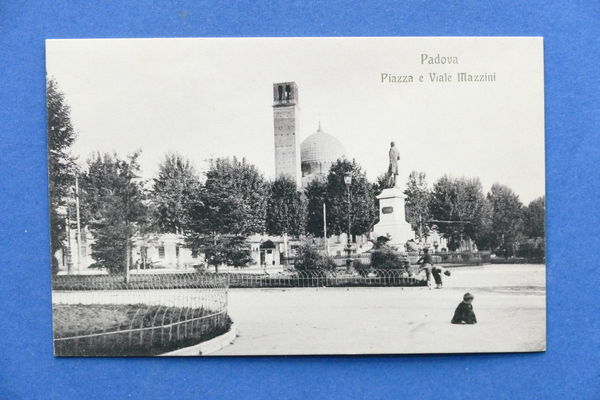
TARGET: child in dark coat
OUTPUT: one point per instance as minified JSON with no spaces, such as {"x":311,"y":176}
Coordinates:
{"x":464,"y":312}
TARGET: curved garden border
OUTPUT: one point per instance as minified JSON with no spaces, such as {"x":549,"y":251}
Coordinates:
{"x":206,"y":348}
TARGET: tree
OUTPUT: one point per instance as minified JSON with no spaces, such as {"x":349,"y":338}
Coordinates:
{"x":113,"y":204}
{"x":230,"y":250}
{"x":483,"y":229}
{"x":417,"y":203}
{"x":286,"y":209}
{"x":316,"y":195}
{"x":507,"y":216}
{"x":383,"y":181}
{"x":231,"y":203}
{"x":458,"y":209}
{"x":534,"y":216}
{"x":61,"y":136}
{"x":362,"y":209}
{"x":172,"y":193}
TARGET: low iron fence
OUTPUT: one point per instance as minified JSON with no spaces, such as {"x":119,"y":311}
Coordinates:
{"x":325,"y":279}
{"x":104,"y":316}
{"x":462,"y":258}
{"x":161,"y":281}
{"x":447,"y":258}
{"x":208,"y":280}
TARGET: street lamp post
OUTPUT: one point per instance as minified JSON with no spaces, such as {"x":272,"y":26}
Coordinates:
{"x":348,"y":182}
{"x":63,"y":213}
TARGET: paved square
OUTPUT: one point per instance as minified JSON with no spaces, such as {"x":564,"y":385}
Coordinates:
{"x":510,"y":305}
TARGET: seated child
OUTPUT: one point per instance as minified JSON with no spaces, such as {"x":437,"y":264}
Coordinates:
{"x":464,"y":312}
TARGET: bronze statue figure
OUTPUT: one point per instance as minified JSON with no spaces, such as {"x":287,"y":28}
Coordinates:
{"x":393,"y":167}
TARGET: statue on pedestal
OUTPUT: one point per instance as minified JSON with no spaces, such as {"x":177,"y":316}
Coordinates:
{"x":392,"y":218}
{"x":393,"y":167}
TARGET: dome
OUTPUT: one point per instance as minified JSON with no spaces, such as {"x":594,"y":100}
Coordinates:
{"x":321,"y":147}
{"x":318,"y":152}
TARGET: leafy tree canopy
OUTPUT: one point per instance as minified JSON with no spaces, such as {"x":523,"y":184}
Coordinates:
{"x":458,"y":208}
{"x":233,"y":200}
{"x":418,"y":197}
{"x":534,"y":218}
{"x":286,"y":212}
{"x":230,"y":206}
{"x":507,"y":214}
{"x":316,"y":195}
{"x":172,"y":193}
{"x":361,"y":208}
{"x":61,"y":171}
{"x":114,"y":206}
{"x":222,"y":249}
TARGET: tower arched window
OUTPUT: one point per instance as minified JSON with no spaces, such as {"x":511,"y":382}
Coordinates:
{"x":288,"y":92}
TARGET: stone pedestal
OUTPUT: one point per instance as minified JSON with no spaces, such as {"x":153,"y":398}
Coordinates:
{"x":392,"y":218}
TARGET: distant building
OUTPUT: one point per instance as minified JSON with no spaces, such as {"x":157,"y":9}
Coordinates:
{"x":318,"y":153}
{"x":286,"y":127}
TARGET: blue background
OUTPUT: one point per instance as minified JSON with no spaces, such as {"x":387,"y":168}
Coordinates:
{"x":570,"y":367}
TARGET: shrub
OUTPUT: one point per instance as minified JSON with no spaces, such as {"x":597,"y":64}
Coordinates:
{"x":309,"y":257}
{"x":361,"y":268}
{"x":386,"y":257}
{"x":531,"y":250}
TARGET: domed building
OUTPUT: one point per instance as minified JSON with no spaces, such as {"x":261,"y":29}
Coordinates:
{"x":318,"y":152}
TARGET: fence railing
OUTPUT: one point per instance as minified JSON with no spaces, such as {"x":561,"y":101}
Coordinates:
{"x":447,"y":258}
{"x":162,"y":281}
{"x":207,"y":280}
{"x":324,"y":279}
{"x":463,"y":258}
{"x":103,"y":316}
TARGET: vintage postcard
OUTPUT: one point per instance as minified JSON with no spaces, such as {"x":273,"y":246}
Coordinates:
{"x":287,"y":196}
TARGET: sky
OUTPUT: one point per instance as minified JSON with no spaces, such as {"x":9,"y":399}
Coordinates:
{"x":206,"y":98}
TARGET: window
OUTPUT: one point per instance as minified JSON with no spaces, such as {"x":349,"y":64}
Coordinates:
{"x":194,"y":253}
{"x":161,"y":251}
{"x":176,"y":251}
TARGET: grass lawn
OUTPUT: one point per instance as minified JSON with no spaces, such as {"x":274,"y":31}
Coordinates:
{"x":131,"y":329}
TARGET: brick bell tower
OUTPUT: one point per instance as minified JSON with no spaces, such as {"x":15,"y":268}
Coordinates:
{"x":286,"y":128}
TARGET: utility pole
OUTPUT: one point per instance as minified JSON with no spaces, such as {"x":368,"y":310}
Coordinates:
{"x":78,"y":233}
{"x":69,"y":246}
{"x":325,"y":229}
{"x":127,"y":261}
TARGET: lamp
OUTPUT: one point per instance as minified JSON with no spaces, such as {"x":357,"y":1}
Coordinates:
{"x":348,"y":179}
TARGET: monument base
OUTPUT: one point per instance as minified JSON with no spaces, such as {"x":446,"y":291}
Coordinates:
{"x":392,"y":218}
